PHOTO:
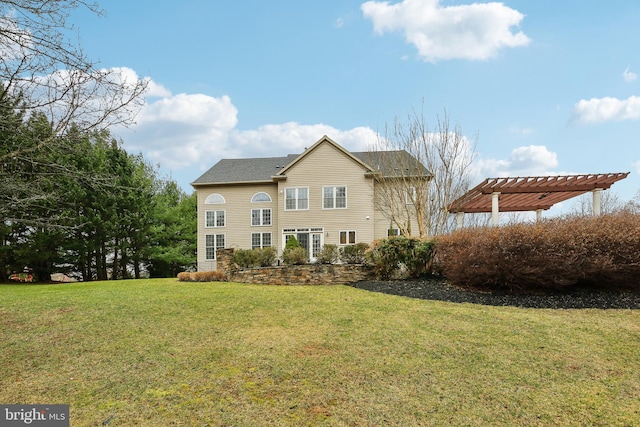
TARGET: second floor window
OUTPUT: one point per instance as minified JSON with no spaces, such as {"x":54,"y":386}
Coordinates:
{"x":296,"y":199}
{"x":411,"y":195}
{"x":334,"y":197}
{"x":260,"y":216}
{"x":214,"y":219}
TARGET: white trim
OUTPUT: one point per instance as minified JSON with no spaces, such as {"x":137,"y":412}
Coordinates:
{"x":297,"y":189}
{"x":215,"y":218}
{"x":219,"y":199}
{"x":335,"y":197}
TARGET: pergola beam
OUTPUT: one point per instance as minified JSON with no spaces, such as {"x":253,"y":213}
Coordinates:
{"x":521,"y":194}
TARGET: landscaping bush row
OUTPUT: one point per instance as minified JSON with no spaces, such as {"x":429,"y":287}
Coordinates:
{"x":202,"y":276}
{"x":601,"y":251}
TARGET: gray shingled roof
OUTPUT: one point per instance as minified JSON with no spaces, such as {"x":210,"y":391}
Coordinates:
{"x":389,"y":163}
{"x":244,"y":170}
{"x":263,"y":169}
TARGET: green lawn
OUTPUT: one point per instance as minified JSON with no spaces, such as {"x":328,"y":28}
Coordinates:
{"x":160,"y":352}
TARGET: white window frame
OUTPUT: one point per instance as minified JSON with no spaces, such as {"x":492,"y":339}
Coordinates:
{"x":216,"y":217}
{"x":261,"y":217}
{"x":261,"y":239}
{"x":215,"y":199}
{"x":218,"y":243}
{"x":261,"y":195}
{"x":347,"y":234}
{"x":296,"y":199}
{"x":396,"y":232}
{"x":411,"y":195}
{"x":333,"y":199}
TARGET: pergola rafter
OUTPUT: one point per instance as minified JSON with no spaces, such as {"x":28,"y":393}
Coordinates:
{"x":534,"y":193}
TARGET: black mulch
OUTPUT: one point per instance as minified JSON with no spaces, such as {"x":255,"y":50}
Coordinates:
{"x":439,"y":290}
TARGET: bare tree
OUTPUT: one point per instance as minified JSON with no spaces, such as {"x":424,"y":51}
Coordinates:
{"x":609,"y":203}
{"x":423,"y":195}
{"x":45,"y":75}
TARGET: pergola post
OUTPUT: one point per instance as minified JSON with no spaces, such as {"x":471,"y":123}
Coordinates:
{"x":460,"y":219}
{"x":597,"y":200}
{"x":495,"y":209}
{"x":538,"y":214}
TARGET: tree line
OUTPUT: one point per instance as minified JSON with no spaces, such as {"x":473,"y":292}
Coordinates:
{"x":72,"y":200}
{"x":81,"y":205}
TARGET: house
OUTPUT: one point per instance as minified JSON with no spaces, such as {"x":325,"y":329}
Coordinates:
{"x":326,"y":195}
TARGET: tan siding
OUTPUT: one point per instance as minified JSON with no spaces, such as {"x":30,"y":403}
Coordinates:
{"x":327,"y":166}
{"x":237,"y":209}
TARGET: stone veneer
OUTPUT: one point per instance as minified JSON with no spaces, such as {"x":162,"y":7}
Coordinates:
{"x":308,"y":274}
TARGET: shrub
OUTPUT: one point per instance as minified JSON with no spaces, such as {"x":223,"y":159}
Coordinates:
{"x":295,"y":256}
{"x":328,"y":254}
{"x":401,"y":254}
{"x":557,"y":253}
{"x":265,"y":257}
{"x":184,"y":276}
{"x":292,"y":243}
{"x":244,"y":258}
{"x":202,"y":276}
{"x":354,"y":254}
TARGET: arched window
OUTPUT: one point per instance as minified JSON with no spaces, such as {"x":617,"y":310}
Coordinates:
{"x":260,"y":197}
{"x":214,"y":199}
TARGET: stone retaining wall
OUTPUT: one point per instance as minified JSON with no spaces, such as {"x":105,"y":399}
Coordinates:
{"x":308,"y":274}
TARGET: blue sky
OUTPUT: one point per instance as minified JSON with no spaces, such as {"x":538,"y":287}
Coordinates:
{"x":543,"y":87}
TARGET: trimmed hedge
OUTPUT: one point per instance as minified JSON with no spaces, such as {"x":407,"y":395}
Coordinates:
{"x":257,"y":257}
{"x":397,"y":256}
{"x":354,"y":254}
{"x":202,"y":276}
{"x":558,"y":253}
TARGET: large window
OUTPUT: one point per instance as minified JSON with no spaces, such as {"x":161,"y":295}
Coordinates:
{"x":214,"y":219}
{"x":213,"y":242}
{"x":296,"y":199}
{"x":334,"y":197}
{"x":348,"y":237}
{"x":260,"y":240}
{"x":260,"y":216}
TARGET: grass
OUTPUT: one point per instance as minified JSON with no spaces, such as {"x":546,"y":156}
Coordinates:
{"x":160,"y":352}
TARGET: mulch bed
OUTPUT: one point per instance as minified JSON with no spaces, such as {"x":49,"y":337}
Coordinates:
{"x":438,"y":289}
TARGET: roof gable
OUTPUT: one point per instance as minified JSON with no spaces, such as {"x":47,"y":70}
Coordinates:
{"x":270,"y":169}
{"x":324,"y":140}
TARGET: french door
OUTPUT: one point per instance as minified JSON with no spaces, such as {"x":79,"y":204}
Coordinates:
{"x":310,"y":239}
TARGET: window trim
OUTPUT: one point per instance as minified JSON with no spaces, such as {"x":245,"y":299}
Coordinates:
{"x":260,"y":193}
{"x":297,"y":199}
{"x":215,"y":246}
{"x":219,"y":199}
{"x":261,"y":217}
{"x":262,"y":244}
{"x":334,"y":195}
{"x":215,"y":218}
{"x":410,"y":195}
{"x":347,"y":239}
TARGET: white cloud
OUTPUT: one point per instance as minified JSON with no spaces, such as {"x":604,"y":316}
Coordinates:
{"x":531,"y":160}
{"x":476,"y":31}
{"x":629,"y":76}
{"x":182,"y":130}
{"x":607,"y":109}
{"x":195,"y":131}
